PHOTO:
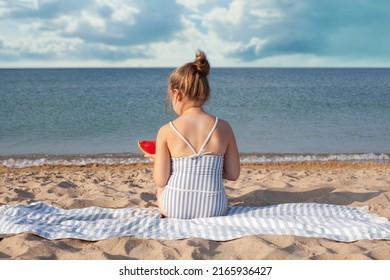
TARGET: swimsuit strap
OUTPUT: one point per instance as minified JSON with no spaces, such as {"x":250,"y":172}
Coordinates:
{"x":208,"y":136}
{"x":183,"y":138}
{"x":205,"y":142}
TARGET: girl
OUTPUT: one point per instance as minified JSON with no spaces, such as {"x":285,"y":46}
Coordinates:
{"x":195,"y":151}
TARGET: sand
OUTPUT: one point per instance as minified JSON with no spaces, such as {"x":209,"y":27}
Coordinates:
{"x":117,"y":186}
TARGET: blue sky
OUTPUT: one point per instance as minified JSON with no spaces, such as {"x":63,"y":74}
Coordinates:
{"x":132,"y":33}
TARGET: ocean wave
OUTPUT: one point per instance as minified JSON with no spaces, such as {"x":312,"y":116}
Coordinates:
{"x":28,"y":162}
{"x":31,"y":161}
{"x":270,"y":158}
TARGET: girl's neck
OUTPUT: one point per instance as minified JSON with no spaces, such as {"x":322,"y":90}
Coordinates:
{"x":191,"y":109}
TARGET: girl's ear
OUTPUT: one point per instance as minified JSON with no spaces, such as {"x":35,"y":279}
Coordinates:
{"x":177,"y":95}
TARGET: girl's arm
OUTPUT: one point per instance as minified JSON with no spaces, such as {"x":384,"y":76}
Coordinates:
{"x":231,"y":166}
{"x":162,"y":159}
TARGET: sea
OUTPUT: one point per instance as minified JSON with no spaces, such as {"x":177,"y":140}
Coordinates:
{"x":76,"y":116}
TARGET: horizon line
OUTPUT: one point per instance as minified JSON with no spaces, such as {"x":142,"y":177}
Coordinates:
{"x":173,"y":67}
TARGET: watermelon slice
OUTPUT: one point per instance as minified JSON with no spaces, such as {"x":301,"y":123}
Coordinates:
{"x":147,"y":146}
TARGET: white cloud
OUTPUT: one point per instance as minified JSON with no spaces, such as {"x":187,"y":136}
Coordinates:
{"x":167,"y":33}
{"x":125,"y":14}
{"x":92,"y":20}
{"x":191,"y":4}
{"x":232,"y":15}
{"x":112,"y":30}
{"x":120,"y":10}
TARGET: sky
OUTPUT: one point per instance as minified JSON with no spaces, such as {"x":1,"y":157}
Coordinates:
{"x":167,"y":33}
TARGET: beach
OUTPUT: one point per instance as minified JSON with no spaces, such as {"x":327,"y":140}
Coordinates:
{"x":260,"y":184}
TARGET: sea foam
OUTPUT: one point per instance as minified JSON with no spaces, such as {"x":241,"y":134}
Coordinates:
{"x":26,"y":161}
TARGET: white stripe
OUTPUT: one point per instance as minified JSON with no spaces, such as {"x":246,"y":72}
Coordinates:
{"x":345,"y":224}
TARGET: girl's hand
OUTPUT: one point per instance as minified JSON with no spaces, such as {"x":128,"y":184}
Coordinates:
{"x":150,"y":157}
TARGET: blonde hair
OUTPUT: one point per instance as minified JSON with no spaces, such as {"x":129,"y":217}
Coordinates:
{"x":191,"y":79}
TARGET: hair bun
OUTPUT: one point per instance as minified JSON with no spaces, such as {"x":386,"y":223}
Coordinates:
{"x":201,"y":63}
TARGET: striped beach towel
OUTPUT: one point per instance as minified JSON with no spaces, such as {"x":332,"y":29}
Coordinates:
{"x":334,"y":222}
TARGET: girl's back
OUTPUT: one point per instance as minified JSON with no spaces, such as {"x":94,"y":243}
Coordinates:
{"x":195,"y":128}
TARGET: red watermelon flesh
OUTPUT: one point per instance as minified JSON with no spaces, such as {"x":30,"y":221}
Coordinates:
{"x":147,"y":146}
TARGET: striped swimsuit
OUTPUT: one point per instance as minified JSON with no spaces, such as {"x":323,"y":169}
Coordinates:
{"x":195,"y":188}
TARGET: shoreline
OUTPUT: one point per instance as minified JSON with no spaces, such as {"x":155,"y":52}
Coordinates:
{"x":280,"y":166}
{"x":22,"y":161}
{"x":145,"y":164}
{"x":260,"y":184}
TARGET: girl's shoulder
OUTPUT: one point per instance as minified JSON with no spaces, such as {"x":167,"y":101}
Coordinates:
{"x":223,"y":122}
{"x":163,"y":131}
{"x":224,"y":125}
